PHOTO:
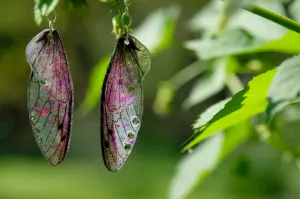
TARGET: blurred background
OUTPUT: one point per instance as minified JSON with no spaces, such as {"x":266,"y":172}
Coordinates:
{"x":254,"y":170}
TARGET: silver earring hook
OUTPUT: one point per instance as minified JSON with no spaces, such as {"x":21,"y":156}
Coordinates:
{"x":51,"y":21}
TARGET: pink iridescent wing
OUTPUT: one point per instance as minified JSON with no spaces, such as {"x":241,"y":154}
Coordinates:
{"x":122,"y":100}
{"x":50,"y":97}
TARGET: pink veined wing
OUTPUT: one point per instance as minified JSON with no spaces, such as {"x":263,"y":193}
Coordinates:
{"x":50,"y":97}
{"x":122,"y":100}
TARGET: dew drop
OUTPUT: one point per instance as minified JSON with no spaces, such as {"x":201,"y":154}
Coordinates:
{"x":131,"y":89}
{"x":44,"y":81}
{"x":41,"y":140}
{"x":126,"y":42}
{"x":38,"y":128}
{"x":130,"y":135}
{"x":127,"y":147}
{"x":33,"y":116}
{"x":135,"y":120}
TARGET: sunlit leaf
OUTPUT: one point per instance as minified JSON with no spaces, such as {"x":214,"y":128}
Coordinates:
{"x":43,"y":8}
{"x":195,"y":167}
{"x":94,"y":90}
{"x":208,"y":85}
{"x":209,"y":113}
{"x":157,"y":30}
{"x":250,"y":101}
{"x":285,"y":87}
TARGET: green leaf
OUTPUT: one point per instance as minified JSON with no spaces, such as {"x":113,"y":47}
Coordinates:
{"x":286,"y":44}
{"x":285,"y":87}
{"x":238,"y":42}
{"x":195,"y":167}
{"x":43,"y":8}
{"x":208,"y":85}
{"x":209,"y":113}
{"x":250,"y":101}
{"x":157,"y":30}
{"x":233,"y":42}
{"x":230,"y":8}
{"x":96,"y":79}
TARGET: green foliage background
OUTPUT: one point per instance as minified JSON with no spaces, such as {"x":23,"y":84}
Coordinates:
{"x":210,"y":58}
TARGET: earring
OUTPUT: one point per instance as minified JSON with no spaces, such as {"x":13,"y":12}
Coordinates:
{"x":50,"y":95}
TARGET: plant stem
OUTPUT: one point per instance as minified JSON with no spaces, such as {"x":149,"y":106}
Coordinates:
{"x":186,"y":74}
{"x":276,"y":18}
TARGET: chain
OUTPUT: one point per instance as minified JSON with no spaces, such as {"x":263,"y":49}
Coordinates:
{"x":126,"y":14}
{"x":51,"y":22}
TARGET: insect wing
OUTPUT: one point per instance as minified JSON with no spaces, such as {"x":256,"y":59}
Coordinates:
{"x":122,"y":100}
{"x":50,"y":97}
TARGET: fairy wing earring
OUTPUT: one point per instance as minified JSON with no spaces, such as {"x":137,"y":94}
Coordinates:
{"x":122,"y":99}
{"x":50,"y":97}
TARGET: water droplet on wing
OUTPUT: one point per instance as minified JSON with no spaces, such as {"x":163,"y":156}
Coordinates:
{"x":130,"y":135}
{"x":33,"y":116}
{"x":44,"y":81}
{"x":41,"y":139}
{"x":131,"y":89}
{"x":38,"y":128}
{"x":135,"y":120}
{"x":127,"y":147}
{"x":126,"y":42}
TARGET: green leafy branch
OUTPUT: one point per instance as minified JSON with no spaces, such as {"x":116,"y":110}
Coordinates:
{"x":267,"y":94}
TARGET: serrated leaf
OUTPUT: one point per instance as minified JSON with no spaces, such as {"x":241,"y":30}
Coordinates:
{"x":157,"y":30}
{"x":195,"y":167}
{"x":94,"y":90}
{"x":209,"y":113}
{"x":285,"y":87}
{"x":208,"y":85}
{"x":43,"y":8}
{"x":250,"y":101}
